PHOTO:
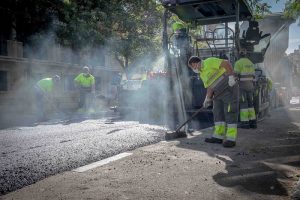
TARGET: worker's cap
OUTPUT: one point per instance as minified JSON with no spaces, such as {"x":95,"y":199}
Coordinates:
{"x":86,"y":68}
{"x":243,"y":51}
{"x":194,"y":59}
{"x":56,"y":78}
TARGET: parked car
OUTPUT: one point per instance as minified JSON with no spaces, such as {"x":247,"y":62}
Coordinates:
{"x":295,"y":101}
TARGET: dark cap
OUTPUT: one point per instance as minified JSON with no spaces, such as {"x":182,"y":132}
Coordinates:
{"x":194,"y":59}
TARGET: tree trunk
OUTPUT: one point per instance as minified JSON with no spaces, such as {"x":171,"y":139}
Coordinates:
{"x":126,"y":62}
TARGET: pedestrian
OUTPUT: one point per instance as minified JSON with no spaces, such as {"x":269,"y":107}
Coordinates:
{"x":246,"y":72}
{"x":45,"y":90}
{"x":218,"y":78}
{"x":85,"y":83}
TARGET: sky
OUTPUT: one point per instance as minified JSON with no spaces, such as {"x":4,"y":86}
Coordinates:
{"x":294,"y":36}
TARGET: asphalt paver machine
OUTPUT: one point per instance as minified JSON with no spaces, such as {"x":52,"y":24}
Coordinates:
{"x":208,"y":28}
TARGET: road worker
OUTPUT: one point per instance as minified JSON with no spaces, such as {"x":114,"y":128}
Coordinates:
{"x":85,"y":82}
{"x":246,"y":72}
{"x":45,"y":90}
{"x":180,"y":39}
{"x":218,"y":78}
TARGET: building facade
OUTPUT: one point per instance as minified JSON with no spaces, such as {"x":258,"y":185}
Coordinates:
{"x":19,"y":72}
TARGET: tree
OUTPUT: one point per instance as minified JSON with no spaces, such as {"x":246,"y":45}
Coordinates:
{"x":136,"y":30}
{"x":27,"y":17}
{"x":292,"y":9}
{"x":81,"y":24}
{"x":258,"y":8}
{"x":129,"y":28}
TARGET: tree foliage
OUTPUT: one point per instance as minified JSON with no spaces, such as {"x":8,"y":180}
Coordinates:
{"x":130,"y":29}
{"x":136,"y":29}
{"x":259,"y":9}
{"x":27,"y":17}
{"x":292,"y":9}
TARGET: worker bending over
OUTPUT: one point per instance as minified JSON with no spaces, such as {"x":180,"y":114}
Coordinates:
{"x":218,"y":77}
{"x":45,"y":95}
{"x":246,"y":72}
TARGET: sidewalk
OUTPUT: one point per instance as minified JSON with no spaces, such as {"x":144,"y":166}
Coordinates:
{"x":264,"y":165}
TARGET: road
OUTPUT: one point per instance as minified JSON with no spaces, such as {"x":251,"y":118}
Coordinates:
{"x":263,"y":165}
{"x":30,"y":154}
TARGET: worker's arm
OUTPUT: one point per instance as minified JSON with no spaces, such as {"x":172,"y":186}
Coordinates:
{"x":208,"y":99}
{"x":76,"y":84}
{"x":230,"y":72}
{"x":93,"y":84}
{"x":228,"y":67}
{"x":209,"y":93}
{"x":77,"y":81}
{"x":49,"y":96}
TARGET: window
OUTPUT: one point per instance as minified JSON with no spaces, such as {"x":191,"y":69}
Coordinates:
{"x":3,"y":47}
{"x":3,"y":81}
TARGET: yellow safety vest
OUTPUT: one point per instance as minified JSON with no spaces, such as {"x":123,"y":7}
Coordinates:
{"x":177,"y":25}
{"x":85,"y":81}
{"x":270,"y":84}
{"x":245,"y":68}
{"x":211,"y":71}
{"x":45,"y":84}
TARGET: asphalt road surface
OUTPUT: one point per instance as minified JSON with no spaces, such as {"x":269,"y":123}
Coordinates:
{"x":29,"y":154}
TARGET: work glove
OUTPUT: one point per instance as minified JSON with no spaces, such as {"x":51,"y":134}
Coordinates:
{"x":231,"y":80}
{"x":207,"y":102}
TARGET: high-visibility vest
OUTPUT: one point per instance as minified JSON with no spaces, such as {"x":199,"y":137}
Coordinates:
{"x":270,"y":84}
{"x":177,"y":25}
{"x":45,"y":84}
{"x":245,"y":68}
{"x":144,"y":77}
{"x":211,"y":71}
{"x":84,"y":81}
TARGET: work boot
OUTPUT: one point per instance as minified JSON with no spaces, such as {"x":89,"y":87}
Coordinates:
{"x":228,"y":143}
{"x":213,"y":140}
{"x":244,"y":125}
{"x":253,"y":124}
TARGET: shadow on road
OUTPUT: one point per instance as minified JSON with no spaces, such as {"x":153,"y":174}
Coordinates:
{"x":265,"y":160}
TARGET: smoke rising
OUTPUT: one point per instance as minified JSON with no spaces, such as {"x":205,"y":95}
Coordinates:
{"x":44,"y":58}
{"x":161,"y":98}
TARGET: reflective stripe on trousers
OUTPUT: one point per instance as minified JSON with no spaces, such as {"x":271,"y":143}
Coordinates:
{"x":219,"y":130}
{"x":251,"y":113}
{"x":244,"y":115}
{"x":247,"y":111}
{"x":231,"y":132}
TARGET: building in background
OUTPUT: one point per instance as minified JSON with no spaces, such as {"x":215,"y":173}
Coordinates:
{"x":19,"y":71}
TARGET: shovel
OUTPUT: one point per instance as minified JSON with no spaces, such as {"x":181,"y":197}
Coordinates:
{"x":182,"y":134}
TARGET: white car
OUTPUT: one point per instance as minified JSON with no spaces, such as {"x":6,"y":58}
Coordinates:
{"x":295,"y":101}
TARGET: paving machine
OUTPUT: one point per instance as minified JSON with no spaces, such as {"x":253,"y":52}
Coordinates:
{"x":208,"y":28}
